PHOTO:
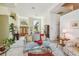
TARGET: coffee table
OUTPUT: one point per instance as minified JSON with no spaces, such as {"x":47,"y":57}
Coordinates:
{"x":40,"y":52}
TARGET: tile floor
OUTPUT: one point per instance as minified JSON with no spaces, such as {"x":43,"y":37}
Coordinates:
{"x":17,"y":49}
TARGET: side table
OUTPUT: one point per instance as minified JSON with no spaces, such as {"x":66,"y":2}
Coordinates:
{"x":62,"y":41}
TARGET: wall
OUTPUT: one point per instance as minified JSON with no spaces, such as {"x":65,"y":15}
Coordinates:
{"x":66,"y":22}
{"x":4,"y":30}
{"x":52,"y":19}
{"x":42,"y":25}
{"x":4,"y":10}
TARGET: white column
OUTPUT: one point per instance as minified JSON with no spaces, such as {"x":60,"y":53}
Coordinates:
{"x":54,"y":20}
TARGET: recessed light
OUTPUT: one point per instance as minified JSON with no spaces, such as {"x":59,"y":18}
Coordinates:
{"x":33,"y":7}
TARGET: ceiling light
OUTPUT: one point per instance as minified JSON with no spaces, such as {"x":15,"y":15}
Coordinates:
{"x":33,"y":7}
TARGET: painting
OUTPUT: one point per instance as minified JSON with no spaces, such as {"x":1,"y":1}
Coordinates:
{"x":75,"y":24}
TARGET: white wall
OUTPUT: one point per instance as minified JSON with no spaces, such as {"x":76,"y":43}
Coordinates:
{"x":52,"y":19}
{"x":4,"y":10}
{"x":42,"y":24}
{"x":66,"y":22}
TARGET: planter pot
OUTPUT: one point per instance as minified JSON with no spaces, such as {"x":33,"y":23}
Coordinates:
{"x":2,"y":48}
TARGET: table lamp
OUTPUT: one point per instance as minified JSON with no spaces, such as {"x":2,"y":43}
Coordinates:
{"x":64,"y":32}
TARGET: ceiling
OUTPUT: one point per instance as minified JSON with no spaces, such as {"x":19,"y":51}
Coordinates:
{"x":7,"y":4}
{"x":33,"y":9}
{"x":67,"y":7}
{"x":37,"y":9}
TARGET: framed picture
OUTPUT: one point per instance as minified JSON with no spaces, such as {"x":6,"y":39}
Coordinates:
{"x":75,"y":24}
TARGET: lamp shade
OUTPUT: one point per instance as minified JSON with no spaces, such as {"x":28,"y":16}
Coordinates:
{"x":64,"y":30}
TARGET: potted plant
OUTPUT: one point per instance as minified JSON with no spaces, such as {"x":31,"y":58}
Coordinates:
{"x":12,"y":31}
{"x":2,"y":47}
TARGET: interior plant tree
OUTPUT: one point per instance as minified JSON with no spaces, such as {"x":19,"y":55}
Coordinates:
{"x":11,"y":29}
{"x":6,"y":42}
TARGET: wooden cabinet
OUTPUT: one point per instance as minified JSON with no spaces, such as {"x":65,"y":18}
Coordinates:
{"x":46,"y":30}
{"x":23,"y":30}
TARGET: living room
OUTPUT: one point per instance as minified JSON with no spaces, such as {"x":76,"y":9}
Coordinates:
{"x":39,"y":29}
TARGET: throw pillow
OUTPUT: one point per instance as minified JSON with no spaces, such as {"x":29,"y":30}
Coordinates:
{"x":39,"y":42}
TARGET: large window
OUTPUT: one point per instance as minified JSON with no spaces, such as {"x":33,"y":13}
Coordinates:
{"x":36,"y":25}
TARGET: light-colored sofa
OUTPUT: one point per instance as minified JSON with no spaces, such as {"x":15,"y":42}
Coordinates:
{"x":71,"y":51}
{"x":71,"y":48}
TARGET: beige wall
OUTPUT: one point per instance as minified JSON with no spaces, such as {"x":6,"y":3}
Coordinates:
{"x":4,"y":10}
{"x":4,"y":29}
